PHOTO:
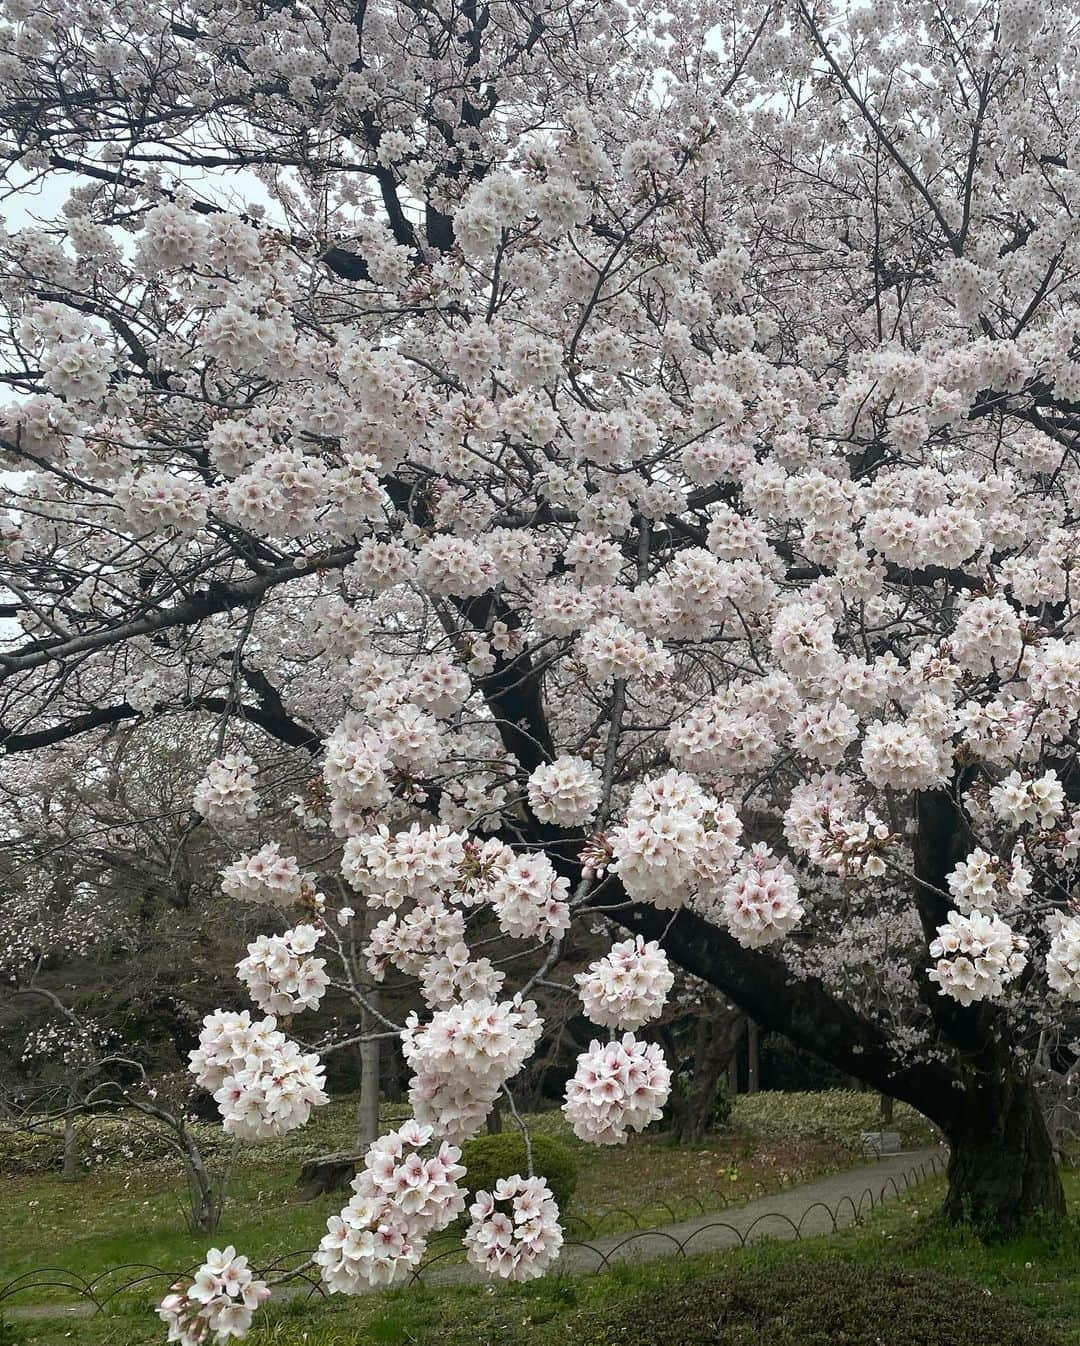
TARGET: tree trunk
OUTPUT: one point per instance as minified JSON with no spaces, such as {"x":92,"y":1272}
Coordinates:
{"x":207,"y":1197}
{"x":1002,"y":1162}
{"x":367,"y":1112}
{"x":205,"y":1206}
{"x":326,"y":1174}
{"x":71,"y":1149}
{"x":715,"y":1040}
{"x":1002,"y":1171}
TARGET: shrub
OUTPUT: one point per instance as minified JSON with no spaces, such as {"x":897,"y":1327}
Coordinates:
{"x":489,"y":1158}
{"x":811,"y":1302}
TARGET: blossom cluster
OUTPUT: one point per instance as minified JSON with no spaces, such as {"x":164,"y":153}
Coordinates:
{"x":227,"y":792}
{"x":529,"y":898}
{"x":760,"y":902}
{"x":1063,"y":959}
{"x":399,"y":1199}
{"x":262,"y":1082}
{"x":628,"y":986}
{"x":982,"y":880}
{"x":565,"y":792}
{"x":676,"y":838}
{"x":462,"y":1058}
{"x":825,"y":823}
{"x":155,"y":501}
{"x":1018,"y":801}
{"x":219,"y":1301}
{"x":280,"y":974}
{"x":514,"y":1231}
{"x":409,"y":940}
{"x":265,"y":877}
{"x":415,"y":862}
{"x":679,"y":843}
{"x":903,"y":756}
{"x":610,"y":649}
{"x":618,"y":1086}
{"x":977,"y":956}
{"x":454,"y":975}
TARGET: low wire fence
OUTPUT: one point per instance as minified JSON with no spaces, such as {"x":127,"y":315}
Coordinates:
{"x":590,"y":1254}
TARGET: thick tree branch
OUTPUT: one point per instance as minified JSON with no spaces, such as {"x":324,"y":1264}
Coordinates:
{"x":219,"y":597}
{"x":798,"y":1007}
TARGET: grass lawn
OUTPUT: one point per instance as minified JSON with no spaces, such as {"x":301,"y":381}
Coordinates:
{"x":109,"y":1217}
{"x":119,"y":1212}
{"x":1039,"y":1274}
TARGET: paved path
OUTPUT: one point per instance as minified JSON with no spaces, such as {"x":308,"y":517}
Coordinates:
{"x":819,"y":1207}
{"x":812,"y":1208}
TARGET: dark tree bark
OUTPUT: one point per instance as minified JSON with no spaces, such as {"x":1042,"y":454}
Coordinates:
{"x":327,"y":1173}
{"x":1002,"y":1168}
{"x":715,"y":1037}
{"x":753,"y":1057}
{"x":1001,"y":1171}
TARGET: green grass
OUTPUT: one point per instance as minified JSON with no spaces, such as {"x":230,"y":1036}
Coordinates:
{"x":1039,"y":1273}
{"x":120,"y":1212}
{"x":117,"y":1213}
{"x":110,"y":1217}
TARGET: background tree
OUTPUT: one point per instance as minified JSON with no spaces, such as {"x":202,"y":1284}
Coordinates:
{"x":79,"y":1077}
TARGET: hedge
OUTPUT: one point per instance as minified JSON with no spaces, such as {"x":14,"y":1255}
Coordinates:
{"x":835,"y":1116}
{"x":112,"y":1141}
{"x":121,"y":1141}
{"x":815,"y":1302}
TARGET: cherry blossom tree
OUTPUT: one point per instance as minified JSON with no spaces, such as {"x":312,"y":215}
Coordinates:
{"x":632,"y":451}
